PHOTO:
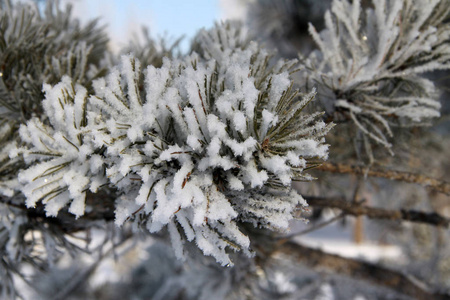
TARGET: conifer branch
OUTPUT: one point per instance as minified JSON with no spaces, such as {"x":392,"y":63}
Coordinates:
{"x":201,"y":148}
{"x":355,"y":209}
{"x":372,"y":273}
{"x":429,"y":182}
{"x":370,"y":63}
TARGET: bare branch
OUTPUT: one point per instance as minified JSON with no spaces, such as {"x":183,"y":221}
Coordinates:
{"x":375,"y":274}
{"x":313,"y":228}
{"x":357,"y":209}
{"x":433,"y":183}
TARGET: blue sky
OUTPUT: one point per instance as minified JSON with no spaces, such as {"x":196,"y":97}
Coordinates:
{"x":179,"y":17}
{"x":173,"y":18}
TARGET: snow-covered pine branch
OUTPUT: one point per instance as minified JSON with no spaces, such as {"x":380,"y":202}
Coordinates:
{"x":370,"y":64}
{"x":200,"y":146}
{"x":221,"y":41}
{"x":39,"y":47}
{"x":151,"y":51}
{"x":36,"y":47}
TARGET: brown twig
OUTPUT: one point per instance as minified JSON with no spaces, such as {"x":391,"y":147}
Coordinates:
{"x":375,"y":274}
{"x":433,"y":183}
{"x":358,"y":209}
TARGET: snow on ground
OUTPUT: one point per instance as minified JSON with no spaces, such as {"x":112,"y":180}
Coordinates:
{"x":367,"y":251}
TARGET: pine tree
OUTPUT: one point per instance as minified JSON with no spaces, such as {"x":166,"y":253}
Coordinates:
{"x":201,"y":151}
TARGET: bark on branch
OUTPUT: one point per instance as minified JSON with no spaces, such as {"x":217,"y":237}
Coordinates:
{"x":366,"y":271}
{"x":433,"y":183}
{"x":356,"y":209}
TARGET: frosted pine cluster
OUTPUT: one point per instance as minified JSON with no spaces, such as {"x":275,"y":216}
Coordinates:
{"x":39,"y":46}
{"x":199,"y":145}
{"x":369,"y":64}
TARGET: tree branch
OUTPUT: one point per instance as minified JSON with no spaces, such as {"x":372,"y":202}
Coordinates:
{"x":433,"y":183}
{"x":313,"y":228}
{"x":375,"y":274}
{"x":65,"y":220}
{"x":357,"y":209}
